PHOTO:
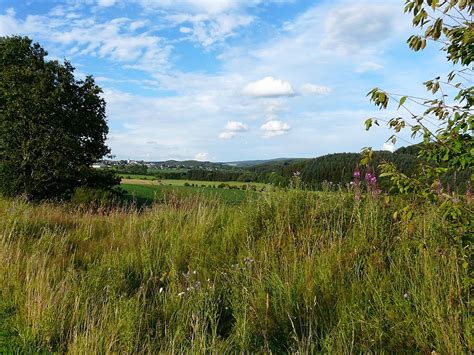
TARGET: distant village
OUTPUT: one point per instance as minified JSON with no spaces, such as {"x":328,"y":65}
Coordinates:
{"x":160,"y":165}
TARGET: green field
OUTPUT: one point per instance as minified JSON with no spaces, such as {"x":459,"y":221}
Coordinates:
{"x":136,"y":176}
{"x":176,"y":182}
{"x":180,"y":182}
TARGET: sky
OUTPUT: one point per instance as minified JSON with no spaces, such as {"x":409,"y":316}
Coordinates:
{"x":228,"y":80}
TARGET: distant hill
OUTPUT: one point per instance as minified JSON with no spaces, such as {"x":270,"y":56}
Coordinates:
{"x":250,"y":163}
{"x":336,"y":168}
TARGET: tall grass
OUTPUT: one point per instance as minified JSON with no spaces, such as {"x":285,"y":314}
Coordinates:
{"x":287,"y":272}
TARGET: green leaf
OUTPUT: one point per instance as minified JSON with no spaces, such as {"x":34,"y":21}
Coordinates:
{"x":402,"y":101}
{"x":368,"y":124}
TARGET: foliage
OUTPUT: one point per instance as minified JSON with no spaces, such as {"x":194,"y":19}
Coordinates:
{"x":294,"y":271}
{"x":450,"y":147}
{"x":52,"y":126}
{"x":95,"y":198}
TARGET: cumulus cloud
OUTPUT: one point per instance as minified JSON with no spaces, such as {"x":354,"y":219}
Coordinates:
{"x":274,"y":128}
{"x":269,"y":87}
{"x":227,"y":135}
{"x":235,"y":126}
{"x":232,"y":128}
{"x":389,"y":147}
{"x":201,"y":156}
{"x":311,"y":89}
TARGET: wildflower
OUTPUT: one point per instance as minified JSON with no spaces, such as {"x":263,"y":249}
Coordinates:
{"x":371,"y":181}
{"x":356,"y":173}
{"x":406,"y":295}
{"x":370,"y":178}
{"x":248,"y":261}
{"x":160,"y":290}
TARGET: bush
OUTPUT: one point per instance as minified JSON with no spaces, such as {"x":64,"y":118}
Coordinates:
{"x":93,"y":197}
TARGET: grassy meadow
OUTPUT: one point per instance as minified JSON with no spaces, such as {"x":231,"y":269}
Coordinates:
{"x":278,"y":272}
{"x":146,"y":194}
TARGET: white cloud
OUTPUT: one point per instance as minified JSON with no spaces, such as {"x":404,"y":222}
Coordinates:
{"x":227,"y":135}
{"x":201,"y":156}
{"x":185,"y":30}
{"x":235,"y":126}
{"x":206,"y":21}
{"x":8,"y":23}
{"x":106,"y":3}
{"x":86,"y":36}
{"x":232,"y":128}
{"x":269,"y":87}
{"x":348,"y":29}
{"x":311,"y":89}
{"x":274,"y":128}
{"x":389,"y":147}
{"x":211,"y":7}
{"x":209,"y":29}
{"x":135,"y":25}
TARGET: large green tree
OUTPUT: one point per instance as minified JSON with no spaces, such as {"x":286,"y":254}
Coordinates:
{"x":52,"y":126}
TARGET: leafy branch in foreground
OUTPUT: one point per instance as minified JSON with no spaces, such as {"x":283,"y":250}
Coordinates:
{"x":446,"y":123}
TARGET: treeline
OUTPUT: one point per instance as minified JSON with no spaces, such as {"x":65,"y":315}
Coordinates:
{"x":338,"y":170}
{"x":222,"y":175}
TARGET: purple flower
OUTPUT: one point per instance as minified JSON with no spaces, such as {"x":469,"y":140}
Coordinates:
{"x":371,"y":182}
{"x":370,"y":178}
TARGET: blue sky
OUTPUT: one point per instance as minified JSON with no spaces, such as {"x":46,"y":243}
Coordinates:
{"x":226,"y":80}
